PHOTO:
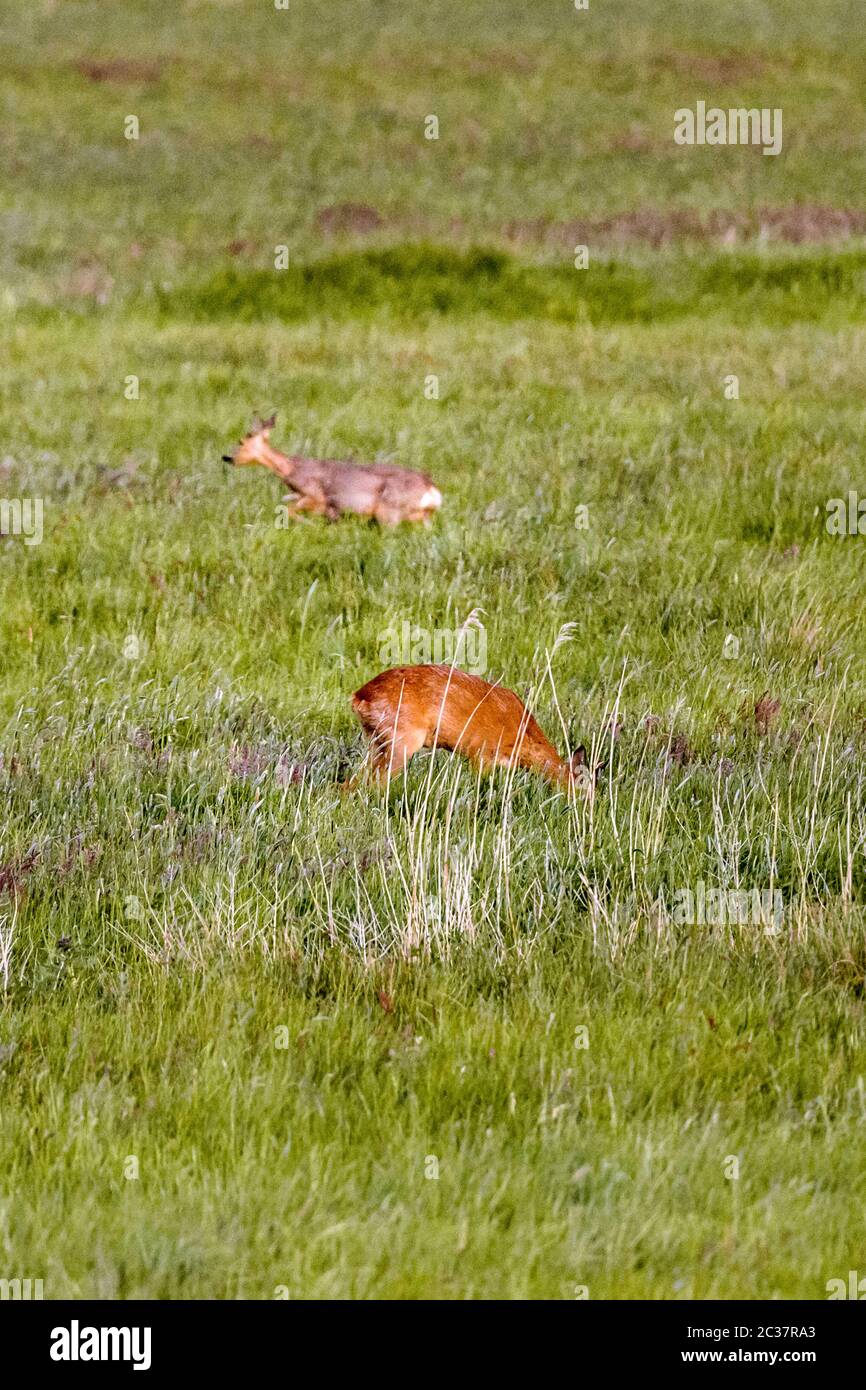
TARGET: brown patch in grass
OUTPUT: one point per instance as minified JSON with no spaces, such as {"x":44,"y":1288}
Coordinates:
{"x":287,"y":772}
{"x":680,"y":751}
{"x":795,"y":224}
{"x":348,"y":217}
{"x":406,"y":358}
{"x":472,"y":134}
{"x":677,"y":748}
{"x":495,"y":60}
{"x":264,"y":144}
{"x":78,"y":853}
{"x":141,"y":739}
{"x":635,"y":140}
{"x":118,"y":69}
{"x":14,"y":874}
{"x":766,"y":711}
{"x":645,"y":225}
{"x":722,"y":68}
{"x":802,"y":222}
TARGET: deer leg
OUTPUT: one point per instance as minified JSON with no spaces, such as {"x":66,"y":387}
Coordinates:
{"x":389,"y":753}
{"x":387,"y":516}
{"x":315,"y":500}
{"x":296,"y":503}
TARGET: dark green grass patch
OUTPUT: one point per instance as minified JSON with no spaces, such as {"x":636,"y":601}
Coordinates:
{"x":417,"y":281}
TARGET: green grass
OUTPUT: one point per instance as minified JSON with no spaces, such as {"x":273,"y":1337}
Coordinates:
{"x":292,"y":1008}
{"x":419,"y":281}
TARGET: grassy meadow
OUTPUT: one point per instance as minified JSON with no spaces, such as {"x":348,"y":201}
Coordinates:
{"x":260,"y":1039}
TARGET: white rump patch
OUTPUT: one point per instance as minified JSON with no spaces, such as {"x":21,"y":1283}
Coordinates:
{"x":432,"y":498}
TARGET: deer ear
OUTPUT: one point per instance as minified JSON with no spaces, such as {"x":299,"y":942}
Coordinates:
{"x":578,"y":757}
{"x":268,"y":425}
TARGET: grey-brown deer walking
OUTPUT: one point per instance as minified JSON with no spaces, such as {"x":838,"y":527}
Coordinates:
{"x":330,"y":487}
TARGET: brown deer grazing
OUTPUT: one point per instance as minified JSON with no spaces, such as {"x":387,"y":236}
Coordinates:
{"x":330,"y":487}
{"x":412,"y":707}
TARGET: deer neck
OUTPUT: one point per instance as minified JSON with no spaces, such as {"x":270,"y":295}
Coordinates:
{"x":278,"y":463}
